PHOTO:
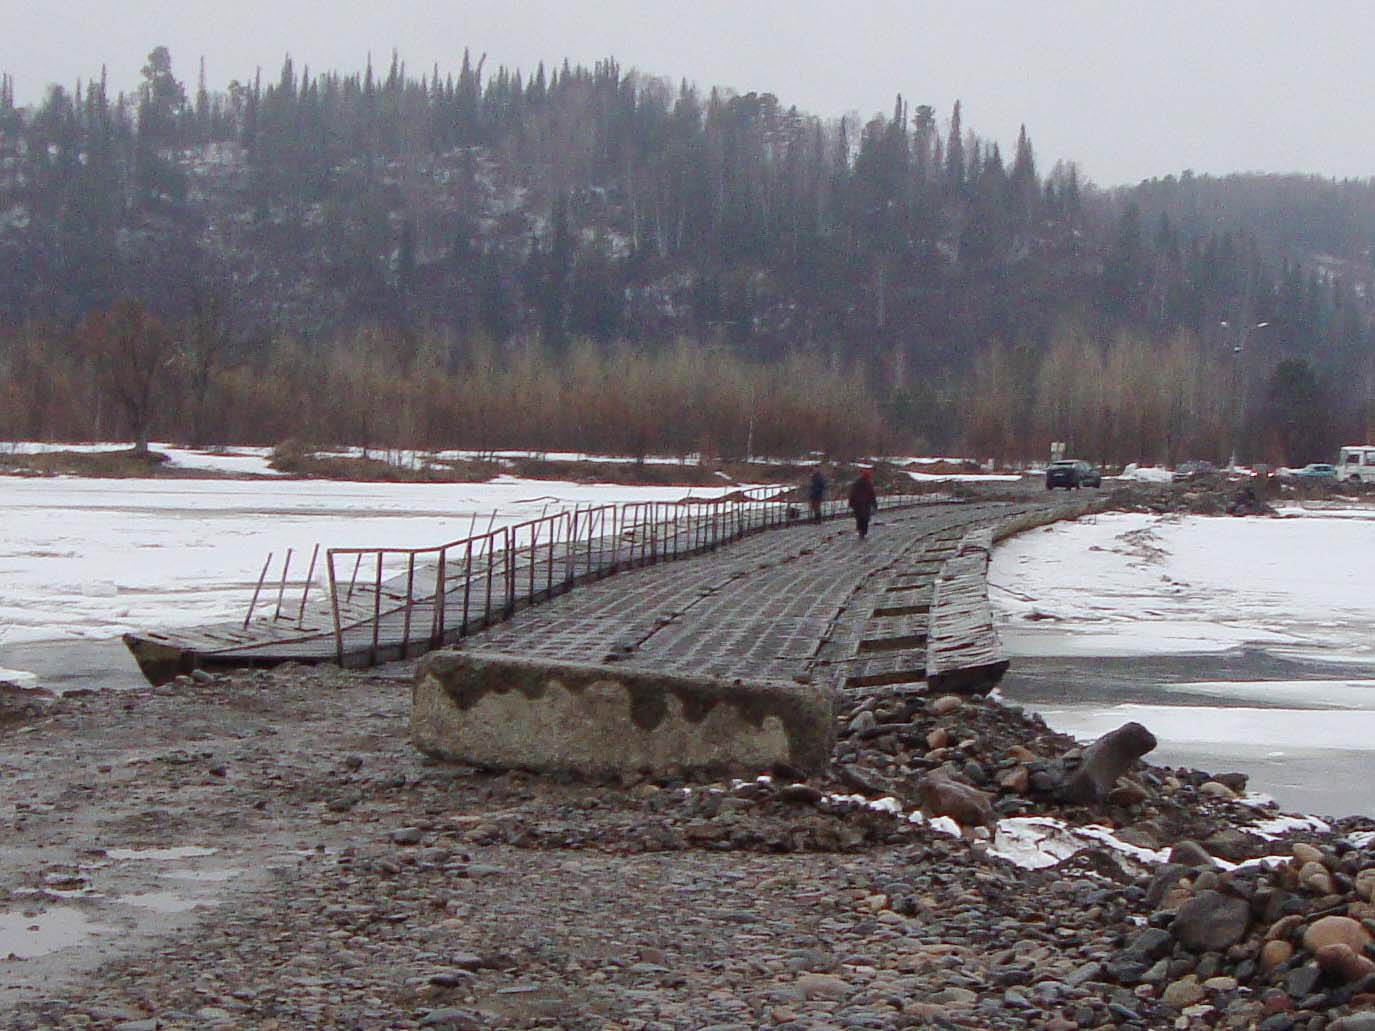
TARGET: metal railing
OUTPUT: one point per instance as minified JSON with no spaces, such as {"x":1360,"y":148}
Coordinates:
{"x":431,"y":596}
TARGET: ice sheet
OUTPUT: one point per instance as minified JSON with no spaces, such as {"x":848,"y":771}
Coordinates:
{"x":91,"y":559}
{"x":1134,"y":584}
{"x":1284,"y":731}
{"x":1296,"y":588}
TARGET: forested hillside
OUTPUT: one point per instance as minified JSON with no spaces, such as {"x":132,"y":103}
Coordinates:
{"x":595,"y":257}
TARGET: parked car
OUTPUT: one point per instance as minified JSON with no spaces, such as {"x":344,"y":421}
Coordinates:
{"x":1071,"y":473}
{"x":1192,"y":471}
{"x":1316,"y":472}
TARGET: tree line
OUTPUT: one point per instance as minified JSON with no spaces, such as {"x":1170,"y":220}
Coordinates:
{"x":125,"y":374}
{"x":605,"y":217}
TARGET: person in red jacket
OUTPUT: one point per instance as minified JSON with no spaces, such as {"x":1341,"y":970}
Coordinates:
{"x":863,"y":501}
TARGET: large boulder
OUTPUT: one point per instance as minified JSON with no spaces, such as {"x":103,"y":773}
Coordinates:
{"x":1332,"y":930}
{"x":1107,"y":759}
{"x":501,"y":711}
{"x":967,"y":806}
{"x":1211,"y":921}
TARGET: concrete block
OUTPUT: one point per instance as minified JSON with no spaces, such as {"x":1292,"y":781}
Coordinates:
{"x":508,"y":712}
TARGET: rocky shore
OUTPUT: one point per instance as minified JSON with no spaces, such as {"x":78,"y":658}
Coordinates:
{"x":267,"y":850}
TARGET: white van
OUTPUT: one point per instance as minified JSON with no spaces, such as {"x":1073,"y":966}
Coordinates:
{"x":1356,"y":464}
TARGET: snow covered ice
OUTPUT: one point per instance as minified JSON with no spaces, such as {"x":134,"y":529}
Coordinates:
{"x":91,"y":559}
{"x":1134,"y":584}
{"x":1207,"y":610}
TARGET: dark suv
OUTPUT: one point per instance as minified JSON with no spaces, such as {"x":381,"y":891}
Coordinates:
{"x":1072,"y":473}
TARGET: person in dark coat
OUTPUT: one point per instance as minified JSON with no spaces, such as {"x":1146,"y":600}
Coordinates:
{"x":863,"y":501}
{"x":816,"y":493}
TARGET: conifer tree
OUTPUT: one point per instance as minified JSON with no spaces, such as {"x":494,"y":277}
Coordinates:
{"x":954,"y":154}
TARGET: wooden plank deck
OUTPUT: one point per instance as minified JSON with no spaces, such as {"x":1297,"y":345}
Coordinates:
{"x":398,"y":624}
{"x":920,"y":615}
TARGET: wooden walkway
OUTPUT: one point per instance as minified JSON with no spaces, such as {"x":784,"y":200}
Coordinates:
{"x":806,"y":603}
{"x":443,"y":596}
{"x":798,"y":601}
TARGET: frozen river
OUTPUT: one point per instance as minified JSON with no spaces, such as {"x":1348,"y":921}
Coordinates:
{"x":83,"y":561}
{"x":1243,"y":644}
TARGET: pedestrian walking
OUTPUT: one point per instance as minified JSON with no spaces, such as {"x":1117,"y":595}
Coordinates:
{"x":816,"y":493}
{"x":863,"y":501}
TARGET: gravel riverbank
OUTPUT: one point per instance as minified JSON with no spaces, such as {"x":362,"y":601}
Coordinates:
{"x":266,"y":850}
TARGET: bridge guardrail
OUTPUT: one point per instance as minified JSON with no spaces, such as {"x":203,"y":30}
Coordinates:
{"x":490,"y":574}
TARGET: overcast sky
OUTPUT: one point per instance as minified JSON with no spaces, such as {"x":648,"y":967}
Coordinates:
{"x":1127,"y":89}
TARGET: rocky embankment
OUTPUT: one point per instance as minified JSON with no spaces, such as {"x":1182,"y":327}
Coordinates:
{"x":342,"y":880}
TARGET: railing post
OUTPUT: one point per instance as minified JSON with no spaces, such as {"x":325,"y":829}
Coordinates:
{"x":616,"y":521}
{"x":534,"y":545}
{"x":357,"y":564}
{"x":281,"y":588}
{"x":510,"y":553}
{"x":310,"y":578}
{"x":410,"y":595}
{"x":441,"y":590}
{"x":334,"y":606}
{"x":553,"y":536}
{"x":254,"y":603}
{"x":491,"y":564}
{"x":377,"y":609}
{"x":467,"y":587}
{"x":571,"y":551}
{"x":591,"y":529}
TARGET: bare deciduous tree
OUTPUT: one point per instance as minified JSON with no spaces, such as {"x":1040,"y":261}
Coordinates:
{"x":134,"y":356}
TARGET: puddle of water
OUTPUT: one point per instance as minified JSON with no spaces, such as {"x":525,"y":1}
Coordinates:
{"x":26,"y":937}
{"x":227,"y":874}
{"x":184,"y":852}
{"x":165,"y":902}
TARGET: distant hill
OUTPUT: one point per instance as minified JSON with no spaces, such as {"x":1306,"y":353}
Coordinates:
{"x":605,"y":205}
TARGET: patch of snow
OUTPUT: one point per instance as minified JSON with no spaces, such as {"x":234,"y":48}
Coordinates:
{"x":1037,"y":842}
{"x":1145,"y":474}
{"x":965,"y":477}
{"x":238,"y":460}
{"x":913,"y":460}
{"x":944,"y":825}
{"x":1279,"y":825}
{"x":1034,"y":842}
